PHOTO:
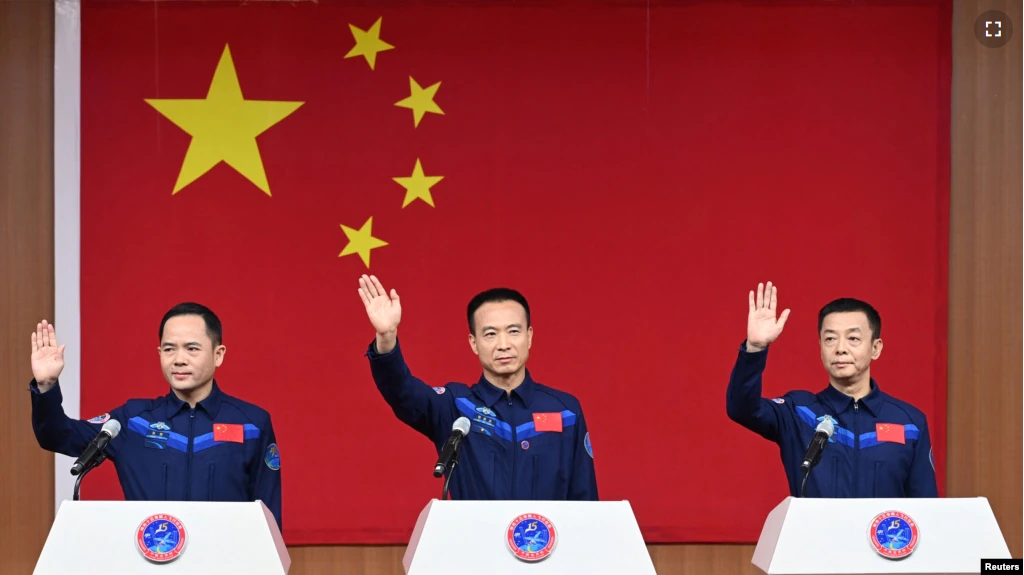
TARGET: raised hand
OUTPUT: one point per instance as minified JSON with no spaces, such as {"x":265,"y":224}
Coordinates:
{"x":762,"y":327}
{"x":47,"y":357}
{"x":384,"y":311}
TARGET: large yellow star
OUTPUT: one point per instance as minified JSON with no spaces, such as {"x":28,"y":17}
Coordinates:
{"x":420,"y":101}
{"x":361,"y":241}
{"x":418,"y":185}
{"x":223,"y":127}
{"x":368,"y":43}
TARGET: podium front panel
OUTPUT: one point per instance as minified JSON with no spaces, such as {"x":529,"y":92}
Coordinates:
{"x":592,"y":537}
{"x":91,"y":537}
{"x":834,"y":536}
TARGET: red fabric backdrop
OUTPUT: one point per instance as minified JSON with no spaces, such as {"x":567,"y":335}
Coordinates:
{"x":633,"y":170}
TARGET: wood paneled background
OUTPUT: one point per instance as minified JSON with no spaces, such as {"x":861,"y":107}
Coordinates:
{"x":985,"y":361}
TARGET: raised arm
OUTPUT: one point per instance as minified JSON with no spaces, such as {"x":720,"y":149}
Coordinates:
{"x":744,"y":403}
{"x":424,"y":408}
{"x":54,"y":430}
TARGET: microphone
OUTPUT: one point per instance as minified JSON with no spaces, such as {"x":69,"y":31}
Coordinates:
{"x":822,"y":433}
{"x":95,"y":449}
{"x":451,"y":447}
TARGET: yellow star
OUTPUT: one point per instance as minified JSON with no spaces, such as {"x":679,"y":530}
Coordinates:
{"x":368,"y":43}
{"x":420,"y":101}
{"x":223,"y":127}
{"x":418,"y":185}
{"x":361,"y":241}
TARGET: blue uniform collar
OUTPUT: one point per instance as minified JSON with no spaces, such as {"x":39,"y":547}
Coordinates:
{"x":840,"y":402}
{"x":211,"y":405}
{"x":490,"y":394}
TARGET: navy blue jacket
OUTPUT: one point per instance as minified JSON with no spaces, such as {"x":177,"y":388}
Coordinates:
{"x":166,"y":450}
{"x":504,"y":457}
{"x":857,"y":462}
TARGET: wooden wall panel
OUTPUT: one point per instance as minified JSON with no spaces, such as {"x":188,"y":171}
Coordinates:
{"x":387,"y":560}
{"x":985,"y":375}
{"x":26,"y":270}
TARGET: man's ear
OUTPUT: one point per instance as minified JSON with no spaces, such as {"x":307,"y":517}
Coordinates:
{"x":876,"y":348}
{"x":472,"y":344}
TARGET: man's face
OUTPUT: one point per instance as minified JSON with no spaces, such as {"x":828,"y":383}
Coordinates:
{"x":187,"y":355}
{"x":502,"y":339}
{"x":846,"y":346}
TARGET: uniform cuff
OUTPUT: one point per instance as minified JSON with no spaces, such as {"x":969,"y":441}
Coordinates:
{"x":743,"y":350}
{"x":33,"y":386}
{"x":371,"y":351}
{"x":751,"y":359}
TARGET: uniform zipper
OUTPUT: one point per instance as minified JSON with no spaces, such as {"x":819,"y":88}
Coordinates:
{"x":188,"y":466}
{"x":856,"y":451}
{"x":515,"y":446}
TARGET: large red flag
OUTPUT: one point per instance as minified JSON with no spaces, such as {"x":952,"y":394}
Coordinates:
{"x":633,"y":170}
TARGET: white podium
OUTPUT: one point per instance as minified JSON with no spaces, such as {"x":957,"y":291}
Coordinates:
{"x":219,"y":538}
{"x":833,"y":536}
{"x":589,"y":537}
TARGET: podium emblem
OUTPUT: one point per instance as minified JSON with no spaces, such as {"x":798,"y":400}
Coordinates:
{"x":161,"y":538}
{"x":894,"y":534}
{"x":531,"y":537}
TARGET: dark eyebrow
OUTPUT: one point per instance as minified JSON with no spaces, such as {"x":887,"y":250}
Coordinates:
{"x":832,"y":331}
{"x":510,"y":326}
{"x":195,"y":343}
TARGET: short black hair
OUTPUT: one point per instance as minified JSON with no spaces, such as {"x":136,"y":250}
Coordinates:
{"x":213,"y":327}
{"x":849,"y":304}
{"x":495,"y":295}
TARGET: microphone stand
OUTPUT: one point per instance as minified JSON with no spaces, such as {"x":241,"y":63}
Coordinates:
{"x":450,"y":472}
{"x":78,"y":482}
{"x":803,"y":483}
{"x":810,"y":465}
{"x":447,"y":479}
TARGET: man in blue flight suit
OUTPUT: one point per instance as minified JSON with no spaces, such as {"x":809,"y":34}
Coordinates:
{"x":880,"y":446}
{"x":196,"y":443}
{"x":527,"y":441}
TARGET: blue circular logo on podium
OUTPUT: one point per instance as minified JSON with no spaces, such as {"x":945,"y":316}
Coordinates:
{"x":894,"y":534}
{"x":531,"y":537}
{"x":161,"y":538}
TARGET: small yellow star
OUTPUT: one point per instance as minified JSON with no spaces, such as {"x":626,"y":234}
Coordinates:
{"x":361,"y":241}
{"x":418,"y":185}
{"x":368,"y":43}
{"x":420,"y":100}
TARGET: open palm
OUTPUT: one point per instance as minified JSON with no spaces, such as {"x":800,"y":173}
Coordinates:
{"x":762,"y":326}
{"x":47,"y":356}
{"x":384,"y":311}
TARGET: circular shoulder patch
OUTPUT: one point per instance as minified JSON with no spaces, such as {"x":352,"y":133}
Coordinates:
{"x":100,"y":418}
{"x":586,"y":444}
{"x":893,"y":534}
{"x":531,"y":537}
{"x":161,"y":538}
{"x":272,"y":457}
{"x":439,"y":390}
